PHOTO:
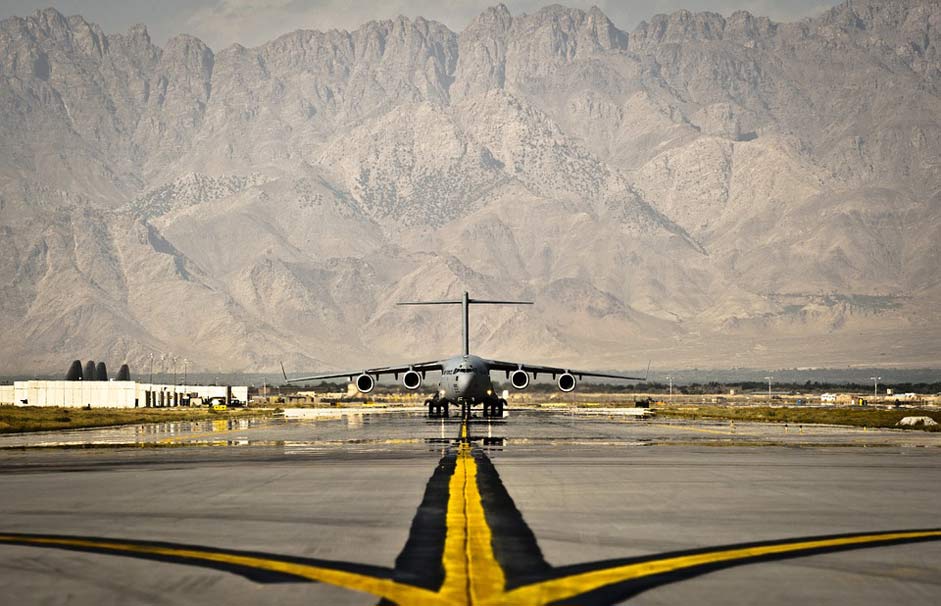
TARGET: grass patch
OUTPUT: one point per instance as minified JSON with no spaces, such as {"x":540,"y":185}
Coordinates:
{"x":858,"y":417}
{"x":19,"y":419}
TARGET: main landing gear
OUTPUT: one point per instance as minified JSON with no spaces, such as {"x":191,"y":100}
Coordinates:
{"x":437,"y":407}
{"x":440,"y":408}
{"x":494,"y":408}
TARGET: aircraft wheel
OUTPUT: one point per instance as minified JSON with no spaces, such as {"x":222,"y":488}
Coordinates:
{"x":445,"y":412}
{"x":498,"y":409}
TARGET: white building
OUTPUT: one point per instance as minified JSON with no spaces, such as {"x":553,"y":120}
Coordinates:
{"x":828,"y":398}
{"x":114,"y":394}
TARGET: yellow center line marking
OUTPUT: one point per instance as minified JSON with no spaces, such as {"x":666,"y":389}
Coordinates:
{"x":567,"y":587}
{"x":472,"y":573}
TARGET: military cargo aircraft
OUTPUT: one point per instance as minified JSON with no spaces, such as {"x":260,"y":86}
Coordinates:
{"x":465,"y":379}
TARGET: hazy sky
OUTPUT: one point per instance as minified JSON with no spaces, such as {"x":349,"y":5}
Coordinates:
{"x":251,"y":22}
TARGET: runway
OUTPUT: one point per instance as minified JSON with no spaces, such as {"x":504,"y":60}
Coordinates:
{"x":544,"y":507}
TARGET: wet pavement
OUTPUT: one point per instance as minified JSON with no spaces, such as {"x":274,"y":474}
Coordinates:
{"x":348,"y":507}
{"x":377,"y":429}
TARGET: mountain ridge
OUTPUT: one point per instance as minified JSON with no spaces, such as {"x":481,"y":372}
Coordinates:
{"x":690,"y":189}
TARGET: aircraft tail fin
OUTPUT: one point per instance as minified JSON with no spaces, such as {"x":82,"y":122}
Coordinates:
{"x":466,"y":302}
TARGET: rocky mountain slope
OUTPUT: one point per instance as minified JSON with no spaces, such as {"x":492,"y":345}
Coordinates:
{"x":705,"y":191}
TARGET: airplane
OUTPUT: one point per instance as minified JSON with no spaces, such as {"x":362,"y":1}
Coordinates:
{"x":465,"y":379}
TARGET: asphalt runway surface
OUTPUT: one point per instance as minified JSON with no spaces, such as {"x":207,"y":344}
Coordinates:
{"x":541,"y":508}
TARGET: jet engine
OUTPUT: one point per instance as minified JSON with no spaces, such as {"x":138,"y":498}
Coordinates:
{"x":567,"y":382}
{"x":519,"y":379}
{"x":365,"y":383}
{"x":411,"y":379}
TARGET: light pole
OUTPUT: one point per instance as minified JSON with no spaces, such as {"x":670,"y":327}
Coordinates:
{"x":671,"y":388}
{"x":151,"y":368}
{"x":875,"y":386}
{"x":769,"y":387}
{"x":184,"y":372}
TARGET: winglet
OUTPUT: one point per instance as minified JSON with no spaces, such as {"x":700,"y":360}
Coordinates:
{"x":284,"y":374}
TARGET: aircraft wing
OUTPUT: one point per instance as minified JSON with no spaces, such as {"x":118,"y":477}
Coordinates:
{"x":553,"y":370}
{"x":349,"y":375}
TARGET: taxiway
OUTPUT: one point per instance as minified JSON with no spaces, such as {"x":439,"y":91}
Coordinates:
{"x":395,"y":505}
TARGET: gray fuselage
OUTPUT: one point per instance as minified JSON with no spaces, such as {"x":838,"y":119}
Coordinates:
{"x":465,"y":378}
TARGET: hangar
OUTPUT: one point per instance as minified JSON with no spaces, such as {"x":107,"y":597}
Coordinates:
{"x":115,"y":394}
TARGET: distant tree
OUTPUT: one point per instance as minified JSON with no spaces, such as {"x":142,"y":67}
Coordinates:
{"x":75,"y":371}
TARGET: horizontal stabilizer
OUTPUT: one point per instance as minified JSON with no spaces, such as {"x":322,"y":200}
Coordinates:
{"x":469,"y":302}
{"x":485,"y":302}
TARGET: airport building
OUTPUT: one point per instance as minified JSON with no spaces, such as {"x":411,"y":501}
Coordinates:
{"x":117,"y":394}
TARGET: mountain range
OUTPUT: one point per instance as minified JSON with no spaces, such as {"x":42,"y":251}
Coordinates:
{"x":703,"y":191}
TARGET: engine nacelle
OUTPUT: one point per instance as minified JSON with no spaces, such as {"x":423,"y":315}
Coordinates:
{"x":567,"y":382}
{"x":519,"y":379}
{"x":365,"y":383}
{"x":411,"y":380}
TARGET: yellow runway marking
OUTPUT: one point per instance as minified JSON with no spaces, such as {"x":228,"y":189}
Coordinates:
{"x":400,"y":593}
{"x":473,"y":576}
{"x":472,"y":573}
{"x":577,"y":584}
